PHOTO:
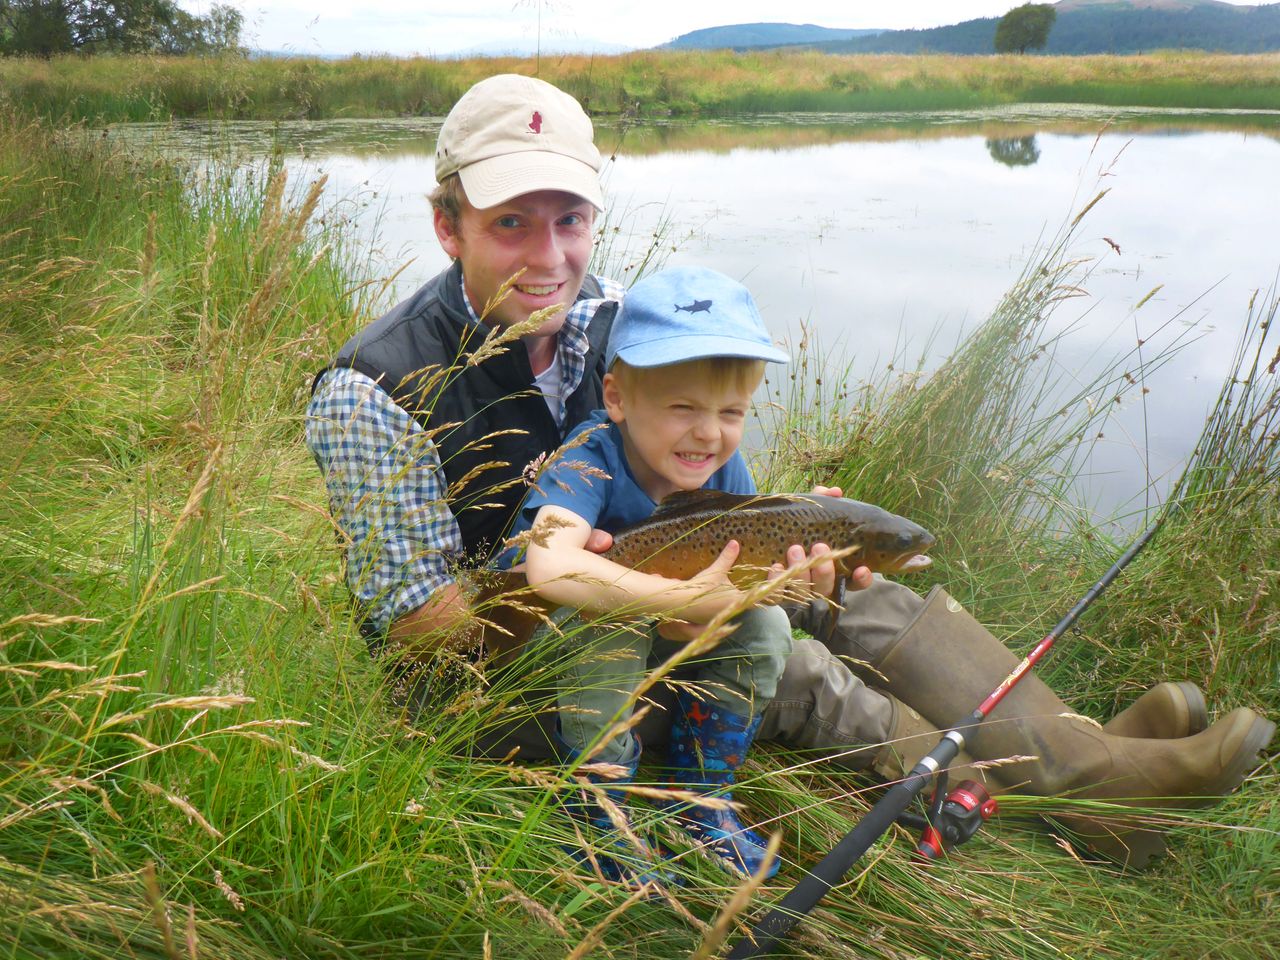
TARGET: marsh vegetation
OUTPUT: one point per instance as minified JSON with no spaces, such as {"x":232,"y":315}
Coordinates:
{"x":196,"y":756}
{"x":646,"y":83}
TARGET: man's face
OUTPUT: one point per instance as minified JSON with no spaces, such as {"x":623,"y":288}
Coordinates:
{"x":677,"y":429}
{"x":546,"y":233}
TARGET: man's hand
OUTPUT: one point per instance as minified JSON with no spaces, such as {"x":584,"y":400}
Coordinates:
{"x":821,"y":577}
{"x":860,"y":579}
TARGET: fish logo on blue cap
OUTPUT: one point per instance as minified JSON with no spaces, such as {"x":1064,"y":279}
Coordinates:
{"x":698,"y":306}
{"x":689,"y":313}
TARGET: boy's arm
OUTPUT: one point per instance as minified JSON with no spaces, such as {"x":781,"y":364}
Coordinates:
{"x":562,"y":570}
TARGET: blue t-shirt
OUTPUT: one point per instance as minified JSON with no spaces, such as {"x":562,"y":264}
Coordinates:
{"x":595,"y":481}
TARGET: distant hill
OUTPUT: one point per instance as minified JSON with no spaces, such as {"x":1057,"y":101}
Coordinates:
{"x":742,"y":36}
{"x":1066,"y":5}
{"x":1096,"y":26}
{"x":551,"y":46}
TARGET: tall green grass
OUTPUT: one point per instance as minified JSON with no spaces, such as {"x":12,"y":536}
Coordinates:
{"x":115,"y":89}
{"x":645,"y":83}
{"x":197,"y":758}
{"x":989,"y":446}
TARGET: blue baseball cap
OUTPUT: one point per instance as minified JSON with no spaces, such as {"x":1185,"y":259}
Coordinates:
{"x":688,"y":313}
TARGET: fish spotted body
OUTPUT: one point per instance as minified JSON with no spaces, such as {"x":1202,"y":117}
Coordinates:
{"x":689,"y":529}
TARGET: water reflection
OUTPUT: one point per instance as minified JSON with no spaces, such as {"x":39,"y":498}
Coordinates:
{"x":1014,"y":151}
{"x":414,"y":136}
{"x":890,"y":241}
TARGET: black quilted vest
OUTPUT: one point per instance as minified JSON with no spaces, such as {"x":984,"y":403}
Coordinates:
{"x":406,"y":350}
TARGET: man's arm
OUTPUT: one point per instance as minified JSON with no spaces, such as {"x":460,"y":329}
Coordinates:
{"x":443,"y":621}
{"x":387,"y":495}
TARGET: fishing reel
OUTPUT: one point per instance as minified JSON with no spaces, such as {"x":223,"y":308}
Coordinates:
{"x":954,"y":816}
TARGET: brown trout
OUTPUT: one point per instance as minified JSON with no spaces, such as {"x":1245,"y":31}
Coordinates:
{"x":689,"y":529}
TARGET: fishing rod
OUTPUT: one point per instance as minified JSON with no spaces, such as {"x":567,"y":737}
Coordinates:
{"x":830,"y":870}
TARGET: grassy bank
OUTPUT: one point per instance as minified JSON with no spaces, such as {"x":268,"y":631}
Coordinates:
{"x":110,"y":89}
{"x":196,"y":756}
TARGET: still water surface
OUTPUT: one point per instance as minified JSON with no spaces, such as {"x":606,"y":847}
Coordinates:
{"x":888,"y":237}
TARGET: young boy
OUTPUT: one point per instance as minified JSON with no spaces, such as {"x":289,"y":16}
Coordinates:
{"x":687,"y":350}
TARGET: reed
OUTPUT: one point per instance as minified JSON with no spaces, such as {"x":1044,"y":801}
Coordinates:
{"x":990,"y":444}
{"x":198,"y":759}
{"x":645,"y":83}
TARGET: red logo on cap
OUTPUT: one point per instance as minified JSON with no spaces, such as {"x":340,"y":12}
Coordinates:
{"x":535,"y":123}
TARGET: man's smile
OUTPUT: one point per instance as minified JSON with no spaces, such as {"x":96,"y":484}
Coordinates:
{"x":538,"y":290}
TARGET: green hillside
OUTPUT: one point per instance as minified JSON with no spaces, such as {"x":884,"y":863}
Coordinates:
{"x":1099,"y":26}
{"x":745,"y":35}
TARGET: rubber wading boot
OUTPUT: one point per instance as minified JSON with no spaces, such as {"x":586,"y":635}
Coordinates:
{"x":824,"y":708}
{"x":1167,"y":711}
{"x":708,"y":744}
{"x":1159,"y":713}
{"x":859,"y":637}
{"x":911,"y":736}
{"x":946,"y":663}
{"x":613,"y":845}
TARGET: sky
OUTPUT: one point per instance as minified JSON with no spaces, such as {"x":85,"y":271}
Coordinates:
{"x":432,"y":27}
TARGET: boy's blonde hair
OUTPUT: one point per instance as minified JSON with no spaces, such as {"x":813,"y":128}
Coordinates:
{"x":742,"y":373}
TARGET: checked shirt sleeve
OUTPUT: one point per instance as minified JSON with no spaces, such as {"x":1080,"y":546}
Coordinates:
{"x":386,"y":492}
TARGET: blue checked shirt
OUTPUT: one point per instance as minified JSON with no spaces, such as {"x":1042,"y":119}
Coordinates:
{"x":385,"y":483}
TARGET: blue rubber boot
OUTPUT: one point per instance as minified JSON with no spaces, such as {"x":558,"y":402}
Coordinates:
{"x":622,"y":860}
{"x":707,"y":745}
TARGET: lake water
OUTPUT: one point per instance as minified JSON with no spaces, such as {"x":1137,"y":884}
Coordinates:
{"x":888,"y":237}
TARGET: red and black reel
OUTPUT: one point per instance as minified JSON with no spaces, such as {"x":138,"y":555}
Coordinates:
{"x":954,"y":816}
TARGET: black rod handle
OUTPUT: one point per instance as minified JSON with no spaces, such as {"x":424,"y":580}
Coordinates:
{"x":831,"y":869}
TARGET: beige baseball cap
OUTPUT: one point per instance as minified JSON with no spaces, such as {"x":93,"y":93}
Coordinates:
{"x":510,"y":135}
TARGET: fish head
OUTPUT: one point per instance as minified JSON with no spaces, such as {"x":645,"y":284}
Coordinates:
{"x":889,"y":543}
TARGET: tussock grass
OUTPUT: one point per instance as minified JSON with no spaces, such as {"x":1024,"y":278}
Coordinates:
{"x":197,"y":758}
{"x":644,"y":83}
{"x":988,"y":446}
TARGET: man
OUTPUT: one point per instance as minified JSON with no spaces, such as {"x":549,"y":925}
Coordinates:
{"x":424,"y":424}
{"x":423,"y":448}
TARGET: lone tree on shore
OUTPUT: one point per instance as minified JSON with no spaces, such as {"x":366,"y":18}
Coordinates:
{"x":1025,"y":28}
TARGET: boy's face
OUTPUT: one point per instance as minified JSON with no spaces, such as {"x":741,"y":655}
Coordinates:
{"x":677,"y":430}
{"x":546,"y":233}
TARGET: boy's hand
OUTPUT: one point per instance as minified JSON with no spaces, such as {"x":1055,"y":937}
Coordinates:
{"x":598,"y":541}
{"x":712,"y":586}
{"x":716,"y":575}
